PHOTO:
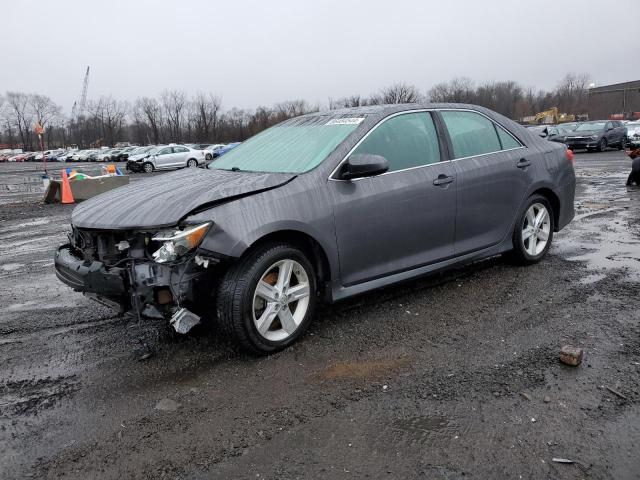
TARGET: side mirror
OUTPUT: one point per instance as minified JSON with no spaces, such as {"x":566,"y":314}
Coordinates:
{"x":361,"y":165}
{"x":544,"y":133}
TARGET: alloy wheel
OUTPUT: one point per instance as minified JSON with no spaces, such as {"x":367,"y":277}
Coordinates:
{"x":536,"y":229}
{"x":602,"y":145}
{"x":281,"y":300}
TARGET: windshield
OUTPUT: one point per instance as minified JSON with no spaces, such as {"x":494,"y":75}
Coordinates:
{"x":567,"y":127}
{"x":590,"y":126}
{"x":296,"y":146}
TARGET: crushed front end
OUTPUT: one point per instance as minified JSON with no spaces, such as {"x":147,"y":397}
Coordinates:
{"x":154,"y":274}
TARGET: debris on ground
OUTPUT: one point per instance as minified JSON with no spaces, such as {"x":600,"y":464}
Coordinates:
{"x":167,"y":405}
{"x":570,"y":355}
{"x":562,"y":460}
{"x":616,"y":393}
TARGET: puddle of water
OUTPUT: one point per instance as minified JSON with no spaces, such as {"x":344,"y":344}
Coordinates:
{"x":604,"y":233}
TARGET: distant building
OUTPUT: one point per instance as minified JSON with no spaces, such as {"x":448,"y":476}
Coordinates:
{"x":617,"y":101}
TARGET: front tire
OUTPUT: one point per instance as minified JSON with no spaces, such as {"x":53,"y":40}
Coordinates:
{"x":602,"y":145}
{"x":533,"y":232}
{"x":265,"y":302}
{"x":147,"y":167}
{"x":192,"y":163}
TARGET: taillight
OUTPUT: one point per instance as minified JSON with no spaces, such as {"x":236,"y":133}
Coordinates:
{"x":570,"y":155}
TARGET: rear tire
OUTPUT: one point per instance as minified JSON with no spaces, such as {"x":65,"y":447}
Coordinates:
{"x":533,"y":232}
{"x":148,"y":167}
{"x":622,"y":144}
{"x":258,"y":307}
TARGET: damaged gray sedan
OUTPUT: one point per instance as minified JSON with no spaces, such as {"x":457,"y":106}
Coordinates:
{"x":318,"y":209}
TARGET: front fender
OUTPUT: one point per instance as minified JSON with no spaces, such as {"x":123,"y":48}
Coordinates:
{"x":293,"y":207}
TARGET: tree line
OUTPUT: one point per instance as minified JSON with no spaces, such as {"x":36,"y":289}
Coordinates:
{"x":174,"y":116}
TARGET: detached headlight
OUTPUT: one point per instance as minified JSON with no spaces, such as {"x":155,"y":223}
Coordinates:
{"x":176,"y":243}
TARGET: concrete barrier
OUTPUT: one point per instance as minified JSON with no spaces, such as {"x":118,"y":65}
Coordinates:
{"x":84,"y":189}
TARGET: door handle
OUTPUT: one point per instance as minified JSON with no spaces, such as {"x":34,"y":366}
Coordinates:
{"x":523,"y":163}
{"x":442,"y":180}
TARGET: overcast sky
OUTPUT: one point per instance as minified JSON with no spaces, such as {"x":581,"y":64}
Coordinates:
{"x":254,"y":53}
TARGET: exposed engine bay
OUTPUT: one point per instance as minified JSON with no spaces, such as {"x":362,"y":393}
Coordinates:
{"x":154,"y":274}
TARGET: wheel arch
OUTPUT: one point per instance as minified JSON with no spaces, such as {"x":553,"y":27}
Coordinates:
{"x":305,"y":242}
{"x":554,"y":200}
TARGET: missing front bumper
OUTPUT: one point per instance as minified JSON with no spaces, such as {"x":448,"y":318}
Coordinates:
{"x":147,"y":288}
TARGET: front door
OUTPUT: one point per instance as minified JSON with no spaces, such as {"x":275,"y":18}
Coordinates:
{"x":163,"y":158}
{"x":401,"y":219}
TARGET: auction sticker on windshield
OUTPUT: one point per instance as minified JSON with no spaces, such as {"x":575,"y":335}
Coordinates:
{"x":345,"y":121}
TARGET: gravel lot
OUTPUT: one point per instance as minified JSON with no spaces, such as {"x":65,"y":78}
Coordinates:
{"x":453,"y":376}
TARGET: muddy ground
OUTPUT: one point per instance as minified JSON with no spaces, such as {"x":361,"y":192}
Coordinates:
{"x":450,"y":377}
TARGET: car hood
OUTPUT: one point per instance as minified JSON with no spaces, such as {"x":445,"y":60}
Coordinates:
{"x":138,"y":156}
{"x":164,"y":200}
{"x":583,"y":133}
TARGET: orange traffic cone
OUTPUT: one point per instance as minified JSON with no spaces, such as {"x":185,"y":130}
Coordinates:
{"x":67,"y":196}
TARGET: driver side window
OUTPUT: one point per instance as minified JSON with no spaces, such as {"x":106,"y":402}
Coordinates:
{"x":406,"y":141}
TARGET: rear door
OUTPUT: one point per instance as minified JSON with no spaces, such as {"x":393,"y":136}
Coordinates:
{"x":180,"y":156}
{"x":493,"y":172}
{"x":610,"y":133}
{"x":401,"y":219}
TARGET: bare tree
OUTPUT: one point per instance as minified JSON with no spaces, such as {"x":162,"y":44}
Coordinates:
{"x":458,"y":90}
{"x":174,"y":103}
{"x":148,"y":112}
{"x":347,"y":102}
{"x":572,"y":93}
{"x":206,"y":111}
{"x":21,"y":116}
{"x":397,"y":93}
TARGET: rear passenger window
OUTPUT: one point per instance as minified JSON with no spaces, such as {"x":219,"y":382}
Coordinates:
{"x":507,"y":141}
{"x":406,"y":141}
{"x":471,"y":133}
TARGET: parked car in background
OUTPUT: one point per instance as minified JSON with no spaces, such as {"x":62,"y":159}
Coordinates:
{"x":222,"y":150}
{"x":597,"y":135}
{"x":135,"y":160}
{"x":84,"y":155}
{"x":123,"y":155}
{"x":553,"y":133}
{"x":212,"y":149}
{"x":18,"y":158}
{"x":172,"y":156}
{"x":320,"y":207}
{"x":56,"y":156}
{"x":633,"y":134}
{"x":114,"y":155}
{"x":198,"y":146}
{"x":557,"y":133}
{"x":103,"y":155}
